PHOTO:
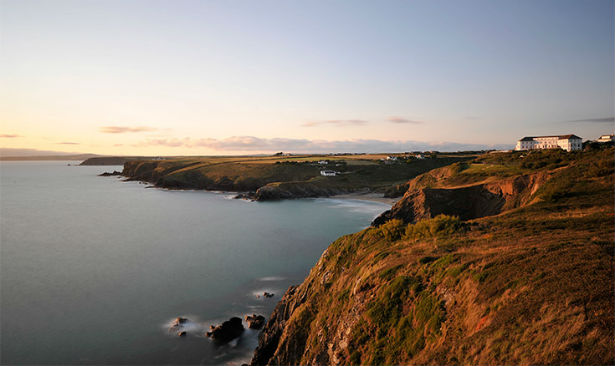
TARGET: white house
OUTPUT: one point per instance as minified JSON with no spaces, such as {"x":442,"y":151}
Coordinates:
{"x":565,"y":142}
{"x":606,"y":138}
{"x":328,"y":173}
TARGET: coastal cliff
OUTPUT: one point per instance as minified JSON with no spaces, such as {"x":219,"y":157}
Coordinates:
{"x":466,"y":202}
{"x":274,"y":178}
{"x":524,"y":276}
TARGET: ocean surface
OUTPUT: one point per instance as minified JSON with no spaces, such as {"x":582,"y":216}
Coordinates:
{"x":94,"y":269}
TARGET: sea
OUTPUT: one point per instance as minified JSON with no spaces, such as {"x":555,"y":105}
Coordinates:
{"x":93,"y":270}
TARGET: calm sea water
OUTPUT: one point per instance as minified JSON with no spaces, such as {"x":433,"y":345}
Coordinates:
{"x":93,"y":269}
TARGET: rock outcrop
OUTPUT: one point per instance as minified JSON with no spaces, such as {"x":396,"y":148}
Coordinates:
{"x":270,"y":337}
{"x":108,"y":174}
{"x":255,"y":321}
{"x":227,"y":331}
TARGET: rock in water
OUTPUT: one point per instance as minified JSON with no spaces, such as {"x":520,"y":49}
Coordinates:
{"x":267,"y":294}
{"x":178,"y":322}
{"x":255,"y":321}
{"x":227,"y":331}
{"x":182,"y":333}
{"x":107,"y":174}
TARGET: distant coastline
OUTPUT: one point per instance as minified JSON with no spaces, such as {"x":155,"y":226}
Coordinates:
{"x":267,"y":178}
{"x":79,"y":157}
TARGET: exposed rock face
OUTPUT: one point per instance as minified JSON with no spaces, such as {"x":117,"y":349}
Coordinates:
{"x":227,"y":331}
{"x":470,"y":202}
{"x":270,"y":337}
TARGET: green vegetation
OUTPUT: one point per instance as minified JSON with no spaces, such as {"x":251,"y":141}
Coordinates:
{"x":439,"y":226}
{"x":489,"y":167}
{"x":530,"y":285}
{"x":385,"y":311}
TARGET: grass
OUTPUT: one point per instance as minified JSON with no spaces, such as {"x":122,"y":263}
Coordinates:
{"x":533,"y":285}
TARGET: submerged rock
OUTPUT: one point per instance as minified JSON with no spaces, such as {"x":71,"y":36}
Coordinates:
{"x":182,"y":333}
{"x":267,"y":294}
{"x":255,"y":321}
{"x":227,"y":331}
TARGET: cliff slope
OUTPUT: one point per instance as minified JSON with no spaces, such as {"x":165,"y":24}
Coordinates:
{"x":527,"y":278}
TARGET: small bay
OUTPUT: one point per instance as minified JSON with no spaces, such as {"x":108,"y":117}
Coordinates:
{"x":93,"y":269}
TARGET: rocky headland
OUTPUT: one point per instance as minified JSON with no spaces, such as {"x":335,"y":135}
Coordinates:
{"x":106,"y":160}
{"x":275,"y":178}
{"x":505,"y":259}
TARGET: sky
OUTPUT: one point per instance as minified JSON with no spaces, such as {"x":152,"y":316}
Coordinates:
{"x":181,"y":77}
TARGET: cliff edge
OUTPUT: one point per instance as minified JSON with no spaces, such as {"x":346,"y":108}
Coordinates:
{"x":525,"y":275}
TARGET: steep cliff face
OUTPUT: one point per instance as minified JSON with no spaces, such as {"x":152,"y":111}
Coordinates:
{"x":530,"y":285}
{"x":466,"y":202}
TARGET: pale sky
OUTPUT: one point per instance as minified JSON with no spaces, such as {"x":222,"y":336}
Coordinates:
{"x":182,"y":77}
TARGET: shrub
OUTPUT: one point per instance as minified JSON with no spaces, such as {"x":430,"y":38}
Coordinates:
{"x":601,"y":168}
{"x":553,"y":191}
{"x":439,"y":226}
{"x":392,"y":230}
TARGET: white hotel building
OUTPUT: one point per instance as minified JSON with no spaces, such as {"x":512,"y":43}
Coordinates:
{"x":565,"y":142}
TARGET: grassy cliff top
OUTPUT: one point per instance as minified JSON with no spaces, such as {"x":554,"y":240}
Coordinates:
{"x":285,"y":176}
{"x":532,"y":284}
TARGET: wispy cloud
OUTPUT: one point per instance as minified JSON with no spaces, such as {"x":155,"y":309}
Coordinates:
{"x":402,"y":120}
{"x":336,"y":122}
{"x":251,"y":144}
{"x":594,"y":120}
{"x":8,"y":136}
{"x":14,"y":152}
{"x":124,"y":129}
{"x":67,"y":143}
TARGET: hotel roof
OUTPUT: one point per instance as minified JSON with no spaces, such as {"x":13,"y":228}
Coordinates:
{"x":560,"y":137}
